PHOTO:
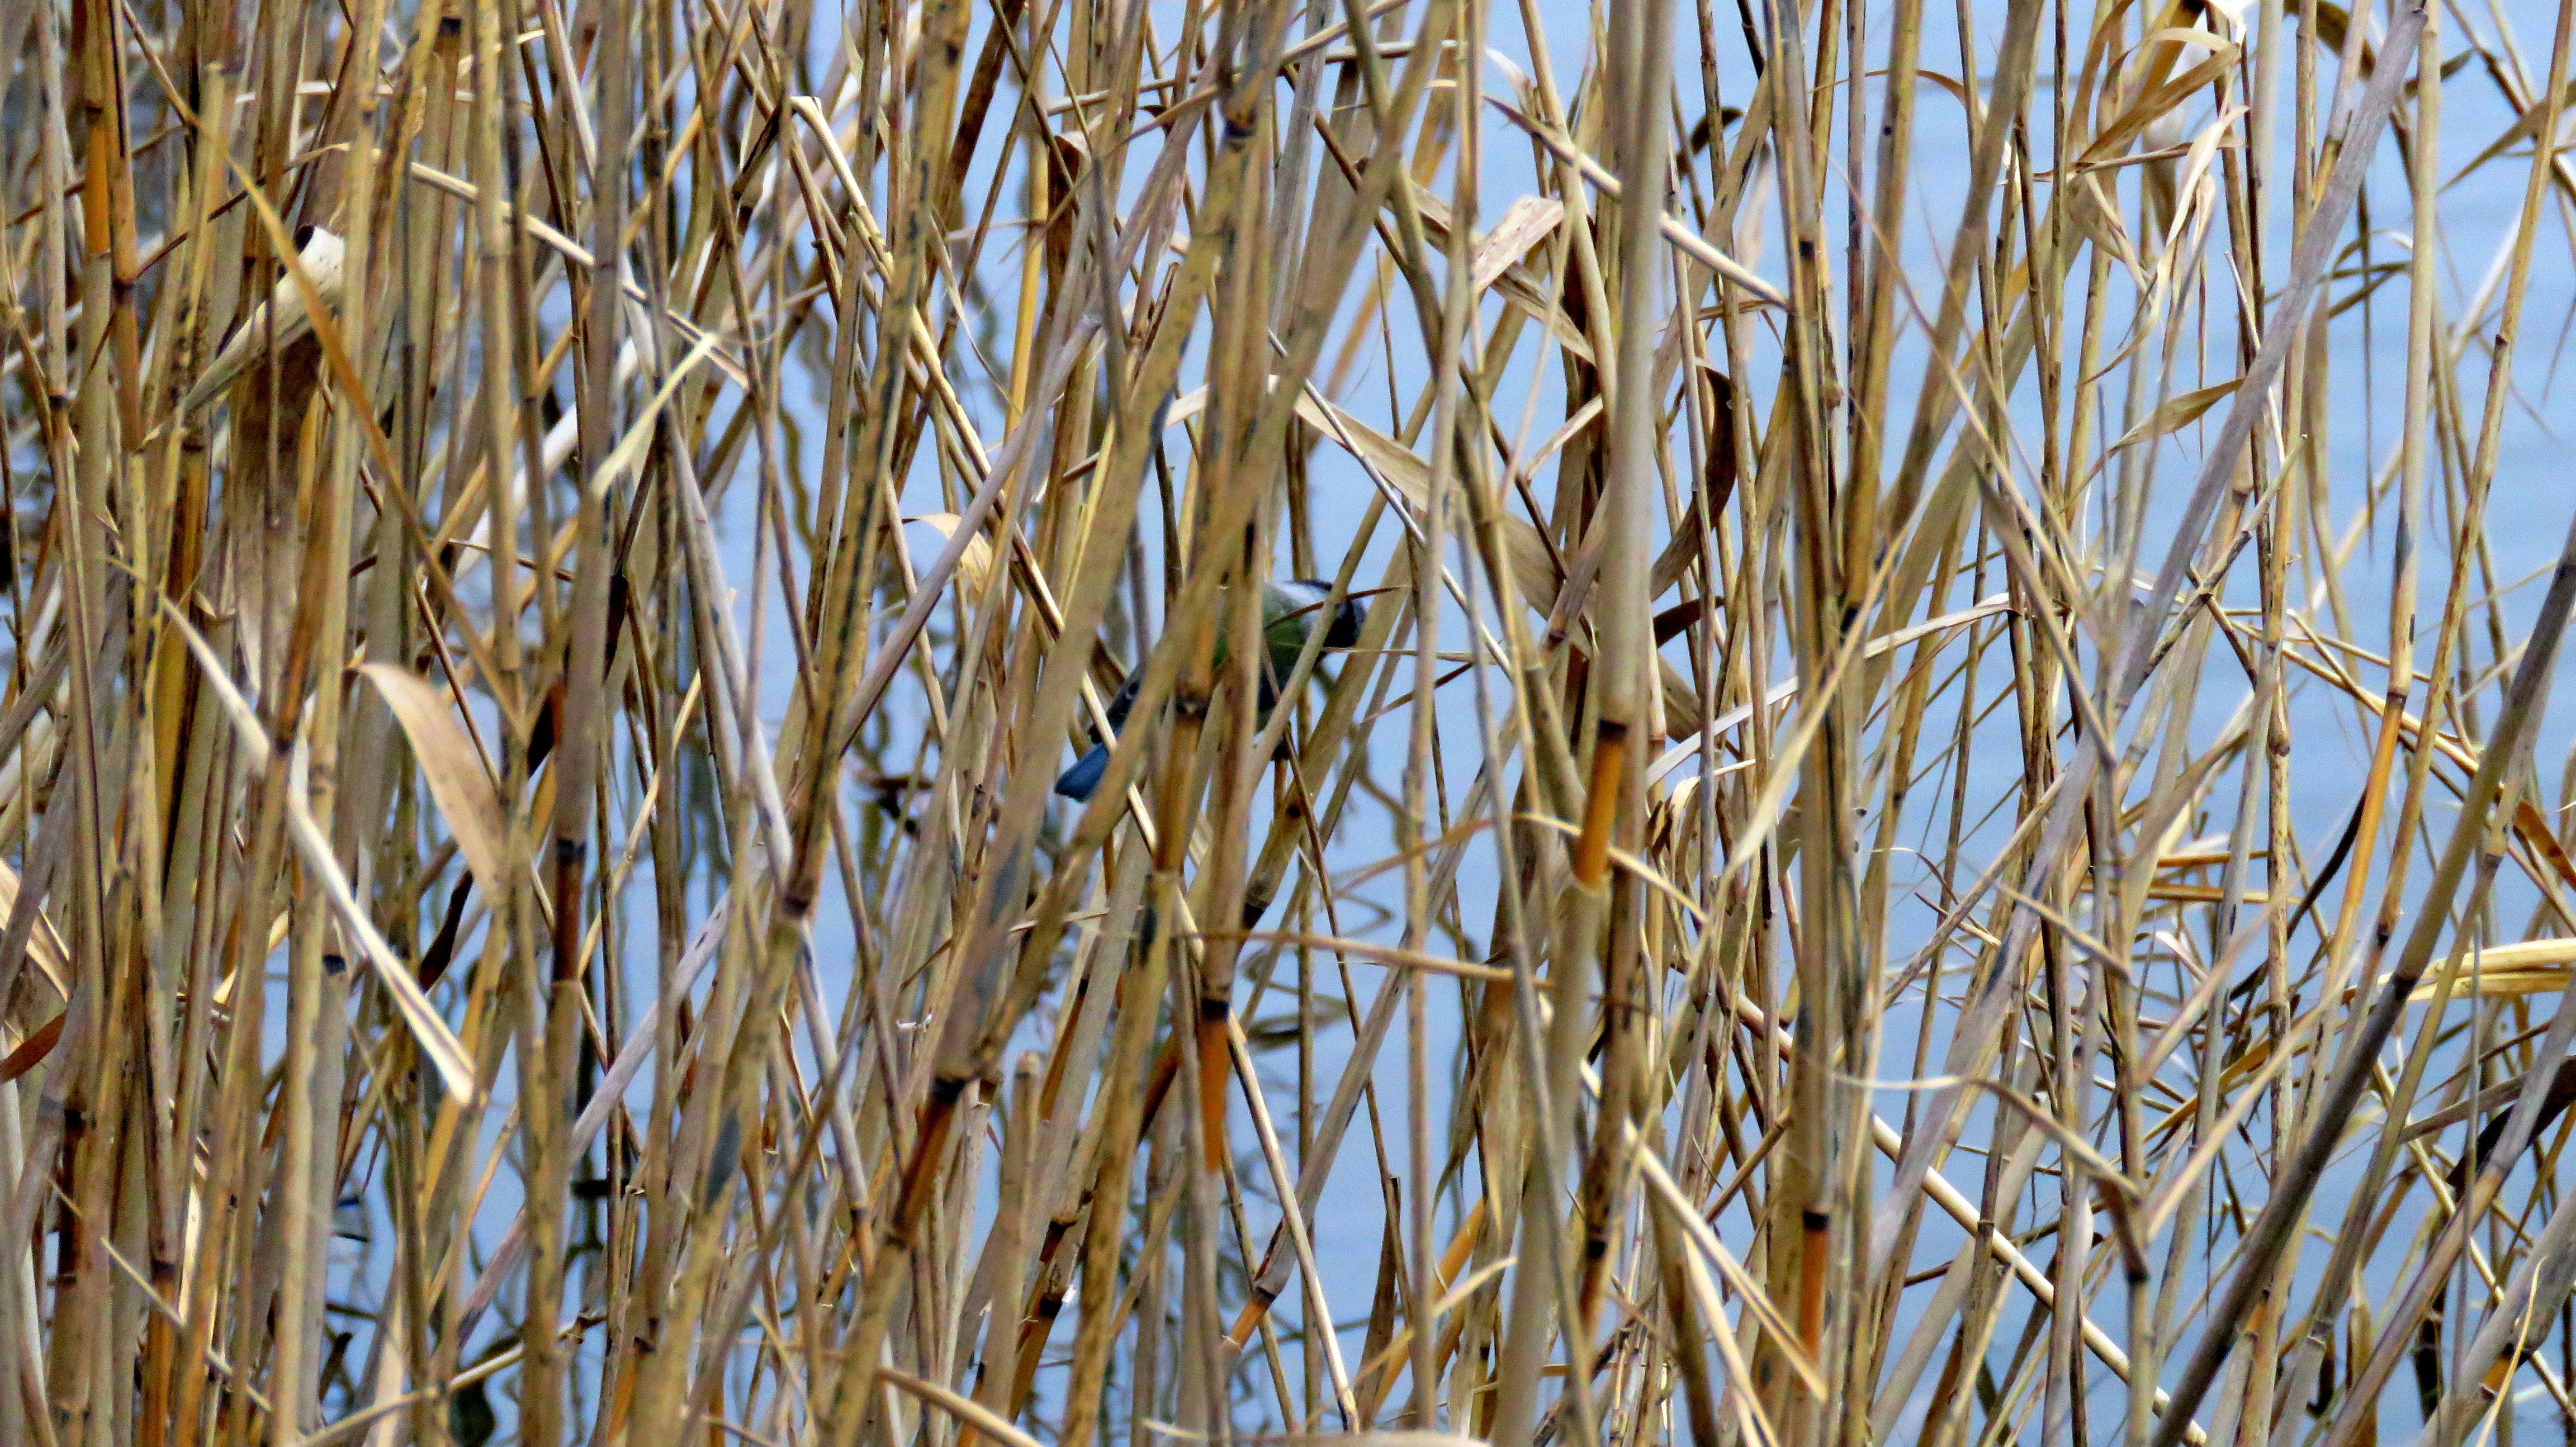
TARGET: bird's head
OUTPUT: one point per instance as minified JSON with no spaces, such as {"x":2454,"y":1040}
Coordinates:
{"x":1292,"y":607}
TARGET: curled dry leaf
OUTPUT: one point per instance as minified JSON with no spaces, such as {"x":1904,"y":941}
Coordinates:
{"x":454,"y":768}
{"x":976,"y":563}
{"x":44,"y":947}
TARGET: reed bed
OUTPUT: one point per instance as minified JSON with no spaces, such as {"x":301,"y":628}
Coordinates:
{"x":1937,"y":824}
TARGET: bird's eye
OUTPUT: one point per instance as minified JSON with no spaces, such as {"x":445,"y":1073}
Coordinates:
{"x":303,"y":237}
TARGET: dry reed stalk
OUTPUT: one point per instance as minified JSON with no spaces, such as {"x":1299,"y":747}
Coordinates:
{"x":1896,"y":780}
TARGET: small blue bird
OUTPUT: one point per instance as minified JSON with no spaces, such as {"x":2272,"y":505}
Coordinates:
{"x":1288,"y":610}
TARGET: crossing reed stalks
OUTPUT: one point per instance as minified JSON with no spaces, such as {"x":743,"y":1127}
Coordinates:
{"x":1915,"y":800}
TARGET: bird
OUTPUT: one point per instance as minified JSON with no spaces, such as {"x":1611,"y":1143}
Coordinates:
{"x":276,"y":322}
{"x":1288,"y":611}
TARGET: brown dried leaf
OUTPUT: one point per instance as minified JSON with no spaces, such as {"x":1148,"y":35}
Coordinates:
{"x":451,"y":764}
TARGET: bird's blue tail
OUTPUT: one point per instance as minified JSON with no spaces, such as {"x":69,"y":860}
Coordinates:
{"x":1083,"y":779}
